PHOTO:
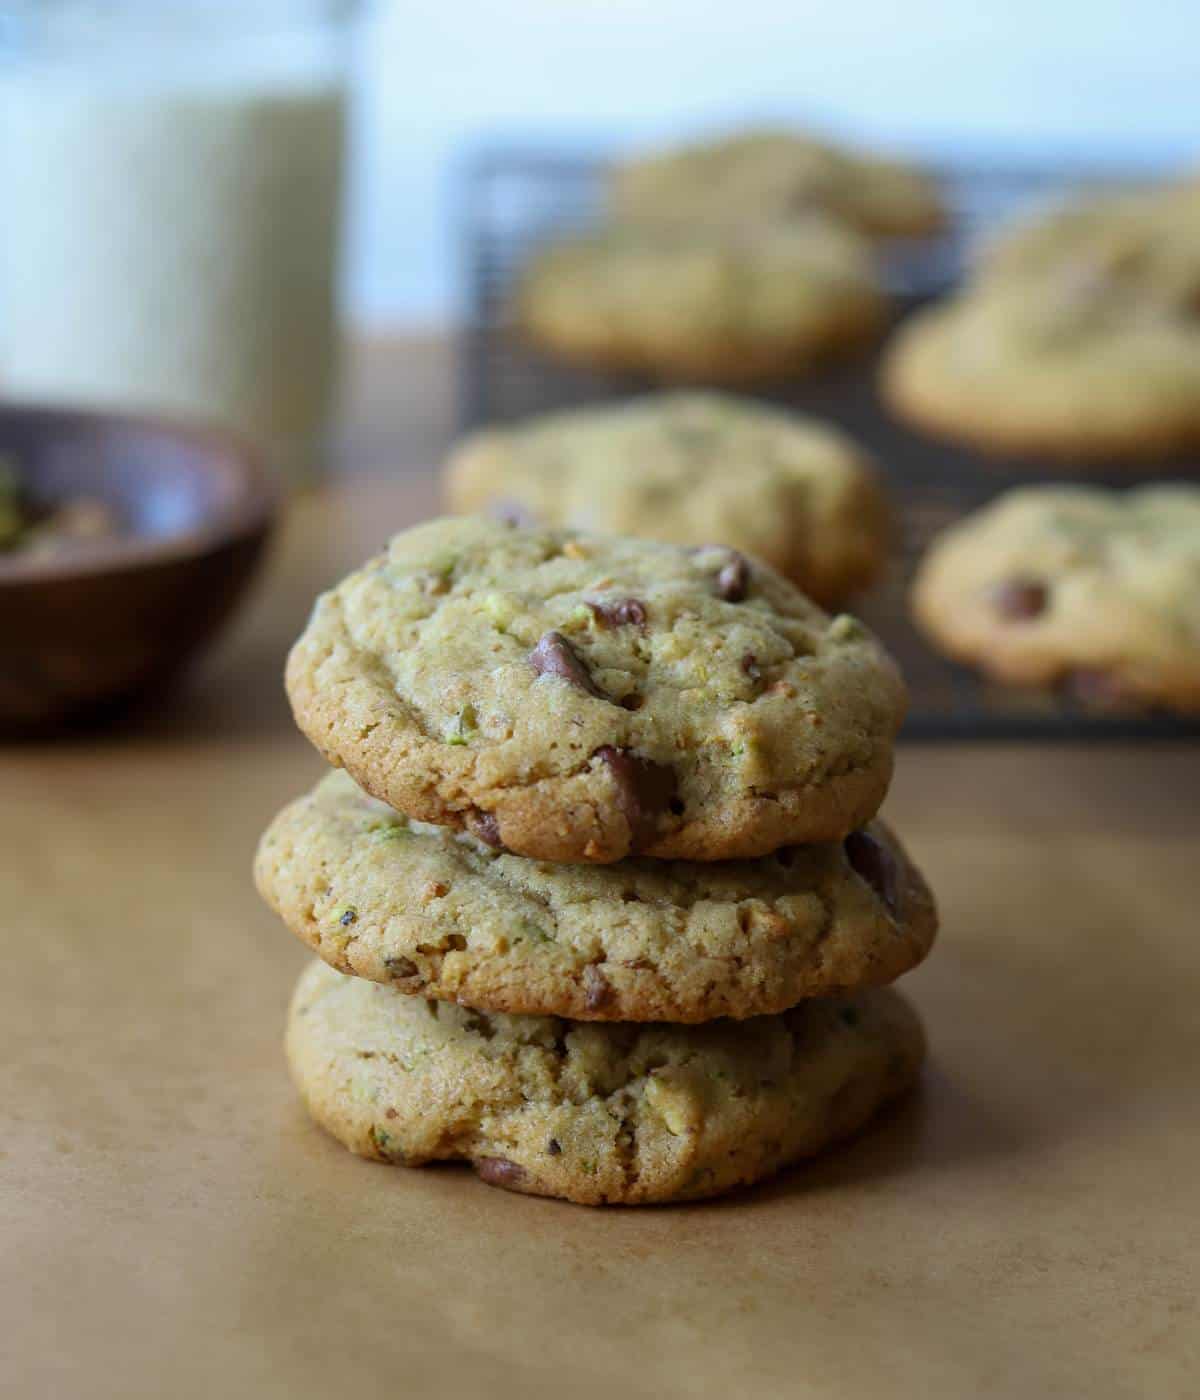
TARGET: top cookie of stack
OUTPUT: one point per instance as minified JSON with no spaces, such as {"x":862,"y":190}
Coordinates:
{"x":582,"y":698}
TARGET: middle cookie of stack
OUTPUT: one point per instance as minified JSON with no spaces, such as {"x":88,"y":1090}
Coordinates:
{"x":440,"y":914}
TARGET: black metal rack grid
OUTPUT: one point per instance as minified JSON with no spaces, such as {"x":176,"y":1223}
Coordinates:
{"x":512,"y":201}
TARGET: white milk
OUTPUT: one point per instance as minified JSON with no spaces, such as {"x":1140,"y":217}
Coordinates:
{"x":169,"y":241}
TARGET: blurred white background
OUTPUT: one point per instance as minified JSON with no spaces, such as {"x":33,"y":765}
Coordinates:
{"x":1097,"y":78}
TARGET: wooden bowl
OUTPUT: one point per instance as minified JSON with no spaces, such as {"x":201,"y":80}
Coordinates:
{"x":85,"y":632}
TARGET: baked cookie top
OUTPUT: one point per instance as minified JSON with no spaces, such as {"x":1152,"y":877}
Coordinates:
{"x":1098,"y":589}
{"x":689,"y":468}
{"x":596,"y":1114}
{"x":731,"y":303}
{"x":775,"y":174}
{"x":583,"y":697}
{"x":1080,"y":336}
{"x":1147,"y":227}
{"x":441,"y":914}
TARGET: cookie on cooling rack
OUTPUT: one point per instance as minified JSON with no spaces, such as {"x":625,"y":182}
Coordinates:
{"x":1095,"y":590}
{"x":725,"y":304}
{"x":1078,"y":339}
{"x":689,"y":468}
{"x":777,"y":175}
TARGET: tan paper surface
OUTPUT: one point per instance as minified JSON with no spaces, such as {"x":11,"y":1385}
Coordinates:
{"x":171,"y":1224}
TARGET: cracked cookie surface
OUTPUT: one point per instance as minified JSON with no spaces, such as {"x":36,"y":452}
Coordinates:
{"x":729,"y":305}
{"x":777,"y":175}
{"x":574,"y":697}
{"x":689,"y":468}
{"x":598,"y":1114}
{"x":1093,"y":589}
{"x":440,"y":914}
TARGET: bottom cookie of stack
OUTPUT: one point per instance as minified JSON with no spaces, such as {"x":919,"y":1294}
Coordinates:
{"x":614,"y":1113}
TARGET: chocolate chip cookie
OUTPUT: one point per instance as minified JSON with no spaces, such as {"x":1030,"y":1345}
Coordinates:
{"x":579,"y":697}
{"x":1079,"y":338}
{"x":615,"y":1114}
{"x":777,"y":175}
{"x":441,"y":914}
{"x":1095,"y":590}
{"x":689,"y":468}
{"x":726,"y":305}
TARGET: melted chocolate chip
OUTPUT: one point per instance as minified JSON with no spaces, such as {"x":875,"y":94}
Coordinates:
{"x":750,"y":666}
{"x":1020,"y":599}
{"x":400,"y":967}
{"x":646,"y":790}
{"x":597,"y":990}
{"x":734,"y":578}
{"x":554,"y":1147}
{"x":499,"y":1171}
{"x":554,"y":656}
{"x":484,"y":827}
{"x":626,"y":612}
{"x":873,"y":862}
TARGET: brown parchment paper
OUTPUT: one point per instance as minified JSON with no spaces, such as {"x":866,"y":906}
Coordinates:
{"x":171,"y":1224}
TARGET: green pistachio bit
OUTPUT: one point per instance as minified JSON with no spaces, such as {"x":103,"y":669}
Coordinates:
{"x":462,"y":727}
{"x":386,"y":1144}
{"x":736,"y":750}
{"x":500,"y":609}
{"x":845,"y":628}
{"x":387,"y":831}
{"x":579,"y":616}
{"x":534,"y":932}
{"x":589,"y":1167}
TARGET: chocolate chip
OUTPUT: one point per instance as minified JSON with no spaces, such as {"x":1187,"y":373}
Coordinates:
{"x":750,"y":666}
{"x":1019,"y":599}
{"x":1098,"y":690}
{"x":734,"y":578}
{"x":646,"y":788}
{"x":626,"y":612}
{"x":349,"y":916}
{"x":511,"y":513}
{"x":499,"y":1171}
{"x":553,"y":656}
{"x":873,"y":862}
{"x":597,"y":989}
{"x":554,"y":1147}
{"x":484,"y":827}
{"x":400,"y":967}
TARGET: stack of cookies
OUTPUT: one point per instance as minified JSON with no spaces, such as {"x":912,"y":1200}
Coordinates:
{"x":599,"y":899}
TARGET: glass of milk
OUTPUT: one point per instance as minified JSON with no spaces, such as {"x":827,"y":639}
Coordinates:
{"x":171,"y":173}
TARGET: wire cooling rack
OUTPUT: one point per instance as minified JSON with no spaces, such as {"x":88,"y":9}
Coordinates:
{"x":512,"y":201}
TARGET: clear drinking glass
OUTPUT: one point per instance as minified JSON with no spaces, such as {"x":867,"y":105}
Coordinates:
{"x":172,"y":175}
